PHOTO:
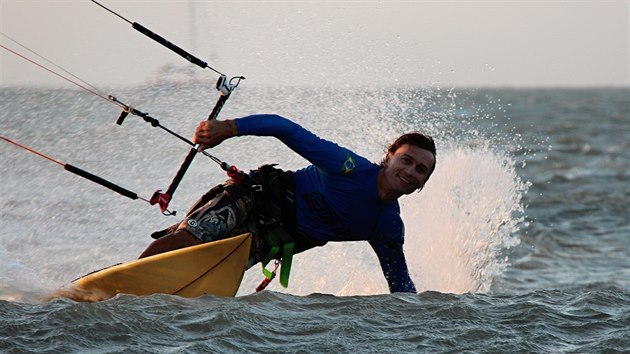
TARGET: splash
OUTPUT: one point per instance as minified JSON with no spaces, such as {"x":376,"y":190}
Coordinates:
{"x":459,"y":229}
{"x":21,"y":283}
{"x":460,"y":225}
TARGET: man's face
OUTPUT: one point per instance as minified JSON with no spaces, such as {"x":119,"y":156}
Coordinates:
{"x":407,"y":169}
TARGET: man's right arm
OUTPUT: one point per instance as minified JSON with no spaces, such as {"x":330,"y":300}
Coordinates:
{"x":320,"y":152}
{"x":210,"y":133}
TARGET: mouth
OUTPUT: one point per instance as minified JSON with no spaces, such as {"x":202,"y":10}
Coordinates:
{"x":407,"y":181}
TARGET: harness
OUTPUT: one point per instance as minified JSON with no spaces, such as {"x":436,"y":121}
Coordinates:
{"x":275,"y":207}
{"x":273,"y":191}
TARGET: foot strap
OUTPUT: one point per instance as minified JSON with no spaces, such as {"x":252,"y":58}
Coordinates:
{"x":279,"y":240}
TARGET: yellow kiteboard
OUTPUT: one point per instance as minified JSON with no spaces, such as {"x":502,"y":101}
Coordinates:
{"x":213,"y":268}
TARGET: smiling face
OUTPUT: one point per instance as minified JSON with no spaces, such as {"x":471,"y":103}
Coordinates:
{"x":404,"y":171}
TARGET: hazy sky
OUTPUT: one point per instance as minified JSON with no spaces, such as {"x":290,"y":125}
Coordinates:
{"x":450,"y":43}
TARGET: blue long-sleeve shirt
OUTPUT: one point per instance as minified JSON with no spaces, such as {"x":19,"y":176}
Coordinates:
{"x":337,"y":196}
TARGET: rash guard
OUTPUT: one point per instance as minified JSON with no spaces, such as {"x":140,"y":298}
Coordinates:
{"x":336,"y":198}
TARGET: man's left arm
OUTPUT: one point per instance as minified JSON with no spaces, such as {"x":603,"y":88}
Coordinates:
{"x":394,"y":266}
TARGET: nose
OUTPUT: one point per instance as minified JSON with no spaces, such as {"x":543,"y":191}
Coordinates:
{"x":411,"y":170}
{"x":410,"y":174}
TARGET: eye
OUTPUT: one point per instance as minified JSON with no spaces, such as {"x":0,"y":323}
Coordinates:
{"x":421,"y":169}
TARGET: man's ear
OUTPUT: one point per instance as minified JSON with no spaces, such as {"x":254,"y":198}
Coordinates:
{"x":386,"y":159}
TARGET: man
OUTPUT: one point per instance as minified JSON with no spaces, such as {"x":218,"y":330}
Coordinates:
{"x":340,"y":197}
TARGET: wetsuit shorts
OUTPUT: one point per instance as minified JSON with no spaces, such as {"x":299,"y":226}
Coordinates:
{"x":226,"y":211}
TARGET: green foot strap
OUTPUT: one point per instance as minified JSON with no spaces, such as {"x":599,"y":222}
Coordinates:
{"x":277,"y":239}
{"x":287,"y":258}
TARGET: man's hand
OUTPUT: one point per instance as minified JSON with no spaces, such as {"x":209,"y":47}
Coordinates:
{"x":210,"y":133}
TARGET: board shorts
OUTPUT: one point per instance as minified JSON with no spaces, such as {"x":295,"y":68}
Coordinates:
{"x":220,"y":217}
{"x":225,"y":211}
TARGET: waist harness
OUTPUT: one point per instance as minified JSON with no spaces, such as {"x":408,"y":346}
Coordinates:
{"x":274,"y":193}
{"x":273,"y":190}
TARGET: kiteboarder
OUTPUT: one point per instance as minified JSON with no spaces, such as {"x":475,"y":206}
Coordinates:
{"x":341,"y":196}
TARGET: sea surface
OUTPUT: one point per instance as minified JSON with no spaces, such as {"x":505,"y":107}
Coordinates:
{"x":520,"y":241}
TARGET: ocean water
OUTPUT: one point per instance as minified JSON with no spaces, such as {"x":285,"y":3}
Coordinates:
{"x":520,"y":241}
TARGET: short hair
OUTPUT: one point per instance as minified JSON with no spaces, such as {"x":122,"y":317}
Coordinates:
{"x":418,"y":139}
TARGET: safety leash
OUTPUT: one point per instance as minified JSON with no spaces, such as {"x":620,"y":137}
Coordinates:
{"x":269,"y":276}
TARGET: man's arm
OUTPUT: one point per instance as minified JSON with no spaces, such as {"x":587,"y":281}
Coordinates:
{"x":394,"y":266}
{"x":210,"y":133}
{"x":320,"y":152}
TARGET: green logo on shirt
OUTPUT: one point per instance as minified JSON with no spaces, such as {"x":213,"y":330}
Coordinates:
{"x":348,"y":165}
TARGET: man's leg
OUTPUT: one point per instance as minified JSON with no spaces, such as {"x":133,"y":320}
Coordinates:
{"x":176,"y":240}
{"x":216,"y":218}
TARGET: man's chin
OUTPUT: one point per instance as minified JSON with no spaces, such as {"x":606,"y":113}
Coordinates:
{"x":409,"y":191}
